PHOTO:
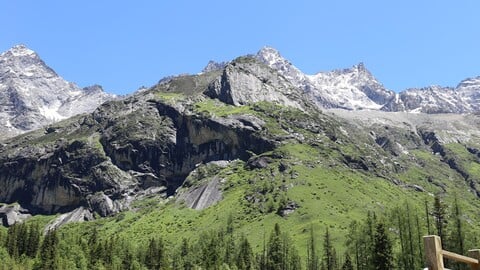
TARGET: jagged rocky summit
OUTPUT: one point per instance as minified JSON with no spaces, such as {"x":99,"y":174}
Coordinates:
{"x":32,"y":95}
{"x":351,"y":89}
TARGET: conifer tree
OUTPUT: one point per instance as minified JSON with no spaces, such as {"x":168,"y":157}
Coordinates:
{"x":182,"y":257}
{"x":155,"y":256}
{"x":262,"y":258}
{"x":408,"y":237}
{"x":229,"y":224}
{"x":382,"y":252}
{"x":128,"y":259}
{"x":368,"y":240}
{"x":427,"y":217}
{"x":419,"y":240}
{"x":230,"y":250}
{"x":245,"y":258}
{"x":353,"y":243}
{"x":439,"y":215}
{"x":312,"y":254}
{"x":33,"y":240}
{"x":329,"y":253}
{"x":48,"y":252}
{"x":457,"y":235}
{"x":93,"y":244}
{"x":12,"y":241}
{"x":347,"y":265}
{"x":275,"y":252}
{"x":294,"y":261}
{"x":210,"y":250}
{"x":22,"y":238}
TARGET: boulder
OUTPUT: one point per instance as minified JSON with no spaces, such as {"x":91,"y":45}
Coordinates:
{"x":103,"y":205}
{"x":258,"y":162}
{"x":289,"y":208}
{"x":11,"y":214}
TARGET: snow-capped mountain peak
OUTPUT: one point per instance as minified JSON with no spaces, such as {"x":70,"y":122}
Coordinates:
{"x":19,"y":51}
{"x":33,"y":95}
{"x":23,"y":62}
{"x":356,"y":88}
{"x":353,"y":88}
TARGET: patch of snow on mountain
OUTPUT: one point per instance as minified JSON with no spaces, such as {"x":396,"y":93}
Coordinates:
{"x":343,"y":88}
{"x":51,"y":113}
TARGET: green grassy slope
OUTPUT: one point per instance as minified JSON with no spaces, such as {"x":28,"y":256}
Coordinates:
{"x":333,"y":171}
{"x":329,"y":192}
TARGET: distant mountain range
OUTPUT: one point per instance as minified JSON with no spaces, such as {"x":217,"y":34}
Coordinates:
{"x":32,"y":95}
{"x":356,"y":88}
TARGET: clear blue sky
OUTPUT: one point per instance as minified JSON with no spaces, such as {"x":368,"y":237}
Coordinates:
{"x":123,"y":45}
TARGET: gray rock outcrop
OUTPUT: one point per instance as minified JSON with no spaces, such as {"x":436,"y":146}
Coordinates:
{"x":11,"y":214}
{"x":247,"y":80}
{"x":80,"y":214}
{"x":202,"y":196}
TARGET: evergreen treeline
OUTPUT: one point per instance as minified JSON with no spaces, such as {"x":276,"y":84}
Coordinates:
{"x":392,"y":241}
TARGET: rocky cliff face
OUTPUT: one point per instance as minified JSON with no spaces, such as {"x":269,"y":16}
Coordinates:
{"x":103,"y":160}
{"x":33,"y":95}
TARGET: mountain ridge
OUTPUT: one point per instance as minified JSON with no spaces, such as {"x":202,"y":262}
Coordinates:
{"x":357,"y":88}
{"x":33,"y":95}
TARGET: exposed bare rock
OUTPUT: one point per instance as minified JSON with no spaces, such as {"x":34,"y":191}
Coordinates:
{"x":202,"y":196}
{"x":246,"y":81}
{"x":80,"y":214}
{"x":11,"y":214}
{"x":104,"y":205}
{"x":289,"y":208}
{"x":213,"y":66}
{"x":258,"y":162}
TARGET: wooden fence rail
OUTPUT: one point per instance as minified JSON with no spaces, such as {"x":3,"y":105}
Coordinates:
{"x":435,"y":254}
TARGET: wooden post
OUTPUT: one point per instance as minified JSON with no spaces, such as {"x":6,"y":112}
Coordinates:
{"x":433,"y":252}
{"x":474,"y":253}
